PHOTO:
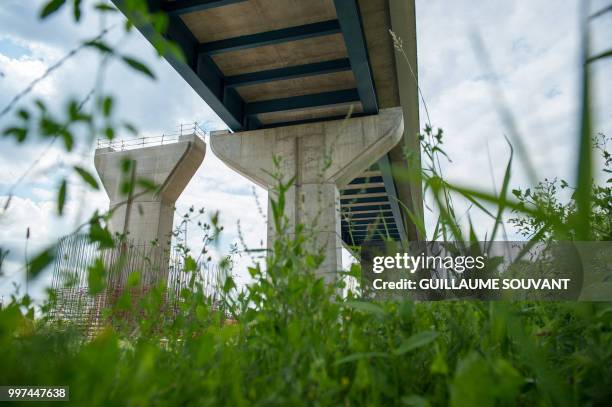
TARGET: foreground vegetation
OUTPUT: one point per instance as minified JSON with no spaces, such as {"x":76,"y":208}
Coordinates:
{"x":290,"y":339}
{"x":301,"y":347}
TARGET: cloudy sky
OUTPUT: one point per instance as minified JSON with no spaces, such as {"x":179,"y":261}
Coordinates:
{"x":534,"y":51}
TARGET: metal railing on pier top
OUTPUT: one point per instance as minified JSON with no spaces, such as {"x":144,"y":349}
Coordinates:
{"x":151,"y":141}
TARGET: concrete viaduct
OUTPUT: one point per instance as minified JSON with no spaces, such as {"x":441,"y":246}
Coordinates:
{"x":284,"y":75}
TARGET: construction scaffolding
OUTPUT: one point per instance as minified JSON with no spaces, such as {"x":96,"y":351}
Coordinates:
{"x":126,"y":268}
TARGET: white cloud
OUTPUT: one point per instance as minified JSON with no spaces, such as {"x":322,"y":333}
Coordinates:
{"x":534,"y":51}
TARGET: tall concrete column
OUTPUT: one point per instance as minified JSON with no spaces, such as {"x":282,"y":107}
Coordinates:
{"x":321,"y":158}
{"x":150,"y":215}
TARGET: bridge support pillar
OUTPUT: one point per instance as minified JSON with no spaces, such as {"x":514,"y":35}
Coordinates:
{"x":318,"y":159}
{"x":150,"y":215}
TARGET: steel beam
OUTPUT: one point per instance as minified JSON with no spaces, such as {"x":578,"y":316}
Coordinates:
{"x":378,"y":233}
{"x":314,"y":120}
{"x":382,"y":199}
{"x":371,"y":220}
{"x":271,"y":37}
{"x":377,"y":179}
{"x":370,"y":227}
{"x":292,"y":72}
{"x":364,"y":206}
{"x":371,"y":173}
{"x":356,"y":229}
{"x":362,"y":192}
{"x":303,"y":102}
{"x":363,"y":186}
{"x":179,"y":7}
{"x":352,"y":30}
{"x":385,"y":167}
{"x":366,"y":214}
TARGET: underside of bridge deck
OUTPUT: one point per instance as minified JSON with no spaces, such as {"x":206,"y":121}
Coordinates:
{"x":273,"y":63}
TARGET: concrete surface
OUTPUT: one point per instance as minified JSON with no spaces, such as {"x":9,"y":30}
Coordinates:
{"x":150,"y":215}
{"x":321,"y":158}
{"x":403,"y":22}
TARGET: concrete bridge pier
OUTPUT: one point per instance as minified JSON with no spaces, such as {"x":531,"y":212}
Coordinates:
{"x":170,"y":166}
{"x":320,"y":158}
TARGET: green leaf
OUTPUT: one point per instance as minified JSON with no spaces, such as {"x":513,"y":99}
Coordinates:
{"x":508,"y":379}
{"x":87,"y":177}
{"x":159,"y":22}
{"x":584,"y":176}
{"x":40,"y":262}
{"x":100,"y":46}
{"x":105,"y":8}
{"x":478,"y":382}
{"x":361,"y":355}
{"x":68,"y":139}
{"x":503,"y":195}
{"x":61,"y":197}
{"x":472,"y":384}
{"x":96,"y":274}
{"x":146,"y":184}
{"x":40,"y":105}
{"x":201,"y":312}
{"x":367,"y":307}
{"x":98,"y":234}
{"x":138,"y":66}
{"x":51,"y":7}
{"x":416,"y":341}
{"x":190,"y":265}
{"x":107,"y":106}
{"x":415,"y":401}
{"x":131,"y":128}
{"x":439,"y":365}
{"x":229,"y":284}
{"x":126,"y":165}
{"x":23,"y":114}
{"x":254,"y":271}
{"x":19,"y":133}
{"x":133,"y":279}
{"x":77,"y":10}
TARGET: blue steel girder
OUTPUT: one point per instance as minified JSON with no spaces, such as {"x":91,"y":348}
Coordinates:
{"x":302,"y":102}
{"x":356,"y":238}
{"x":371,"y":227}
{"x":384,"y":164}
{"x":291,"y":72}
{"x":382,"y":213}
{"x":373,"y":206}
{"x":301,"y":32}
{"x":312,"y":120}
{"x":352,"y":31}
{"x":373,"y":190}
{"x":372,"y":219}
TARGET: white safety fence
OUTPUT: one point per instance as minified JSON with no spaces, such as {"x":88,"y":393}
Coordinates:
{"x":151,"y":141}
